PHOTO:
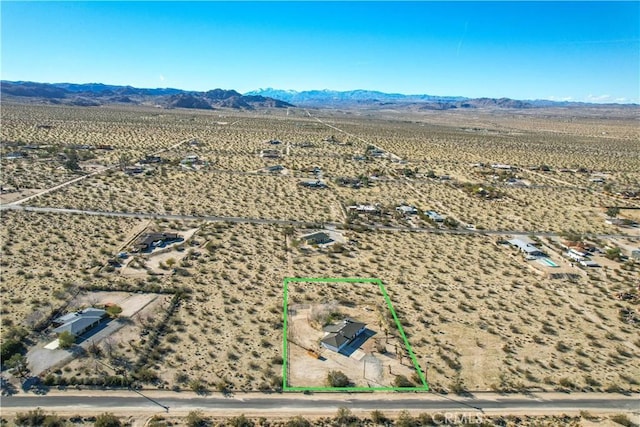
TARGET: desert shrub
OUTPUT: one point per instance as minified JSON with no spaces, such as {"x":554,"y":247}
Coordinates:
{"x":196,"y":419}
{"x":378,"y":417}
{"x":35,"y":417}
{"x":53,"y":421}
{"x":107,"y":420}
{"x":344,"y":416}
{"x":199,"y":387}
{"x":623,"y":420}
{"x":405,"y":420}
{"x":337,"y":379}
{"x":298,"y":421}
{"x":240,"y":421}
{"x":147,"y":376}
{"x":402,"y":381}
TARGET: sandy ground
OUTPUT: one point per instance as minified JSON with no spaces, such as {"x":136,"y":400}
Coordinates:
{"x":17,"y":195}
{"x":476,"y":315}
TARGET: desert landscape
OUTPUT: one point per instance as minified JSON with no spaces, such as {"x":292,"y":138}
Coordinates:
{"x":479,"y":315}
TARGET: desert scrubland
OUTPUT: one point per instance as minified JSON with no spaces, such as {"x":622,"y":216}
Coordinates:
{"x":477,"y":315}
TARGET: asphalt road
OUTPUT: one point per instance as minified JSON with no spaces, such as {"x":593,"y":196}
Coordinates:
{"x":486,"y":402}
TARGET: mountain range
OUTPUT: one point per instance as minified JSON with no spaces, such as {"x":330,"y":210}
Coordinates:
{"x":95,"y":94}
{"x":320,"y":98}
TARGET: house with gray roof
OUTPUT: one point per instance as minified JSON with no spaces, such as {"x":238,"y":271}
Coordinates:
{"x":149,"y":241}
{"x":80,"y":321}
{"x":526,"y":246}
{"x":340,"y":335}
{"x":317,"y":238}
{"x":434,"y":216}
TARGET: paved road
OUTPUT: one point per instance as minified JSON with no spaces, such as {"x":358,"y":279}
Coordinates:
{"x":307,"y":224}
{"x":258,"y":403}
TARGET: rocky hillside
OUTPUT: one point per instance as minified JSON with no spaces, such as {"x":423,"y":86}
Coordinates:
{"x":95,"y":94}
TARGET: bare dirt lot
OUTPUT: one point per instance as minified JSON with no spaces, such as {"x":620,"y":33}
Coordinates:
{"x":360,"y":361}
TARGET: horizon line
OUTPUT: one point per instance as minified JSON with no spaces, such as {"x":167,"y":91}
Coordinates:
{"x":594,"y":101}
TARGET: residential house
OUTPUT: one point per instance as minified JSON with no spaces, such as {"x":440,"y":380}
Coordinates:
{"x":346,"y":181}
{"x":80,"y":321}
{"x":366,"y":209}
{"x":589,"y":263}
{"x":313,"y":184}
{"x":190,"y":159}
{"x":407,"y":210}
{"x":133,"y":170}
{"x":527,"y":247}
{"x":317,"y":238}
{"x":150,"y":240}
{"x":434,"y":216}
{"x":270,"y":154}
{"x":150,"y":159}
{"x":501,"y":166}
{"x":340,"y":335}
{"x":274,"y":169}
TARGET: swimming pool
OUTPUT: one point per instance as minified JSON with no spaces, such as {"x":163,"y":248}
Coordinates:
{"x":547,"y":262}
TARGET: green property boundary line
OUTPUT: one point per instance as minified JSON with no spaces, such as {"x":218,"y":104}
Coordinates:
{"x":285,"y":387}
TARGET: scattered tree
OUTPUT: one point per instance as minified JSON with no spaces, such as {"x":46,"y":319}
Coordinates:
{"x":114,"y":310}
{"x":72,"y":161}
{"x":614,"y":254}
{"x":66,"y":339}
{"x":19,"y":363}
{"x":10,"y":347}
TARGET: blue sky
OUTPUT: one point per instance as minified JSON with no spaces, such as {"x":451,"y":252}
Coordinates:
{"x":544,"y":50}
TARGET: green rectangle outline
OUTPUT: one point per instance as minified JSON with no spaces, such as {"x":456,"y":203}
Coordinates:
{"x":285,"y":358}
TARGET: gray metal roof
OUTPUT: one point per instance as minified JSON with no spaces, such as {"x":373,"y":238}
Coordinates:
{"x":78,"y":322}
{"x":342,"y":332}
{"x":525,"y":246}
